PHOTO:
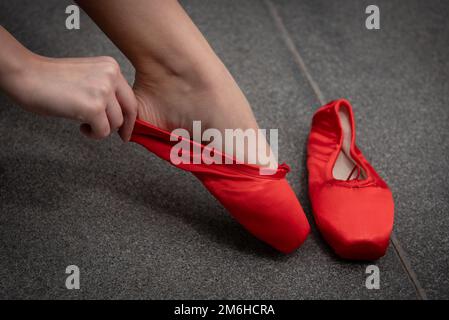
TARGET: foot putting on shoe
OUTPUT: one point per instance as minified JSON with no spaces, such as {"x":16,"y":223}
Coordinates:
{"x":179,"y":80}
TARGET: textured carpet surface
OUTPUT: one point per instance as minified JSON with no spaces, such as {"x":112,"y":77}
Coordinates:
{"x":139,"y":228}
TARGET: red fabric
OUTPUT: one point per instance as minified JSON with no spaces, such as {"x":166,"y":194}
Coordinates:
{"x":355,"y":216}
{"x":264,"y":204}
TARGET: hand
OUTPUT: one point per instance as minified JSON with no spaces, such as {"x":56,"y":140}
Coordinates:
{"x":90,"y":90}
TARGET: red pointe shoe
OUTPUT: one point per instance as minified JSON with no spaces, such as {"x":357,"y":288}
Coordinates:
{"x":352,"y":205}
{"x":264,"y":204}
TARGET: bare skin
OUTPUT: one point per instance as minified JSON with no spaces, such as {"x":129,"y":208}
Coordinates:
{"x":179,"y":78}
{"x":89,"y":90}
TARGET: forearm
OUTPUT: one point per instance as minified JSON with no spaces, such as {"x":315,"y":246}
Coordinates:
{"x":13,"y":59}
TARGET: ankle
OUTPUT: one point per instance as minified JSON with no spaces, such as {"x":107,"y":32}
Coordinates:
{"x":184,"y":73}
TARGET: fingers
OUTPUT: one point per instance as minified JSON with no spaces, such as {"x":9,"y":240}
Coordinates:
{"x":105,"y":123}
{"x":97,"y":128}
{"x":128,"y":103}
{"x":111,"y":104}
{"x":114,"y":114}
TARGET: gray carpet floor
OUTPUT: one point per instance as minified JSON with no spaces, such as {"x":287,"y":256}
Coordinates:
{"x":139,"y":228}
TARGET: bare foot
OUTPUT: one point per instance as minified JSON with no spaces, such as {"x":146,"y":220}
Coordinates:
{"x":179,"y":77}
{"x":211,"y":96}
{"x":177,"y":101}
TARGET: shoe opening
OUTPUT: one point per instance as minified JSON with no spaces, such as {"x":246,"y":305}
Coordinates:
{"x":345,"y":167}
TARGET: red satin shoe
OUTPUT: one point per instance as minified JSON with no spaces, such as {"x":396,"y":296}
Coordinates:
{"x":353,"y":207}
{"x":264,"y":204}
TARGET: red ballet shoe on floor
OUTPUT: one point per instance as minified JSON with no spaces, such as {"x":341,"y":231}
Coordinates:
{"x":264,"y":204}
{"x":353,"y":207}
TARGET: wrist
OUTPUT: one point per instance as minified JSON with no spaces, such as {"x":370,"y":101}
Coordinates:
{"x":18,"y":79}
{"x":16,"y":62}
{"x":24,"y":63}
{"x":16,"y":68}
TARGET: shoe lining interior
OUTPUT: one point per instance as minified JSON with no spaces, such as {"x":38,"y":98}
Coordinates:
{"x":345,"y":167}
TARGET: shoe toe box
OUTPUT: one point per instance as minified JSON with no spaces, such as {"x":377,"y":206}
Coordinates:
{"x":356,"y":222}
{"x":267,"y":208}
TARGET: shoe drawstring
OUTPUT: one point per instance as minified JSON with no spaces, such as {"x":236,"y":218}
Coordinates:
{"x":352,"y":172}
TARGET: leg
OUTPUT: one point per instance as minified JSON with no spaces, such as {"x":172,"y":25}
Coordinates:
{"x":179,"y":78}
